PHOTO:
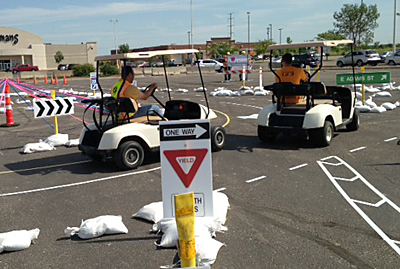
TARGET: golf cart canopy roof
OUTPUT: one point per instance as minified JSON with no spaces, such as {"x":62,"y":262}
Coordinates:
{"x":144,"y":54}
{"x":324,"y":43}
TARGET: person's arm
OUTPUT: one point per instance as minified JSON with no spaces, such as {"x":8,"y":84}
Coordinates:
{"x":147,"y":94}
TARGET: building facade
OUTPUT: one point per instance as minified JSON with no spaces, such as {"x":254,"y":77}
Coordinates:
{"x":21,"y":47}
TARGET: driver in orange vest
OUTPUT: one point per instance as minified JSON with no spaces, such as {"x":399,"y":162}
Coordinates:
{"x":132,"y":92}
{"x":291,"y":74}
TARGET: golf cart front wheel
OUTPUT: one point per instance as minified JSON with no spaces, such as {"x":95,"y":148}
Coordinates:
{"x":355,"y":122}
{"x":322,"y":137}
{"x":218,"y":138}
{"x":129,"y":155}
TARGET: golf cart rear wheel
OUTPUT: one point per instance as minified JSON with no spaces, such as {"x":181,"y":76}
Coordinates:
{"x":129,"y":155}
{"x":322,"y":137}
{"x":265,"y":135}
{"x":355,"y":122}
{"x":218,"y":138}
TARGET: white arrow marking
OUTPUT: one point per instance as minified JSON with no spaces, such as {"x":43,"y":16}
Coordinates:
{"x":190,"y":131}
{"x":384,"y":77}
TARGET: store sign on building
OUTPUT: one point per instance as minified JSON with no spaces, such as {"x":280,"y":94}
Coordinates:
{"x":9,"y":39}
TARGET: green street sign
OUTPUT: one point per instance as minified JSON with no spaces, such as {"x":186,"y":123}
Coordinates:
{"x":363,"y":78}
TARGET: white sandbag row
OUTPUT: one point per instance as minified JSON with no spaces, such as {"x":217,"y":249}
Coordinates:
{"x":18,"y":240}
{"x":243,"y":91}
{"x":205,"y":228}
{"x":95,"y":227}
{"x":371,"y":106}
{"x":49,"y":144}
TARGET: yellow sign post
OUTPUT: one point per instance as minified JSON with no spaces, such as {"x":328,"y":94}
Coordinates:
{"x":363,"y":87}
{"x":185,"y":215}
{"x":53,"y":96}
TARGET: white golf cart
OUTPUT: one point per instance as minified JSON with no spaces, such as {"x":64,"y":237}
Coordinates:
{"x":324,"y":109}
{"x":127,"y":140}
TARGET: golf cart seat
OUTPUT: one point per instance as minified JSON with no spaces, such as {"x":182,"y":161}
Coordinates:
{"x":182,"y":110}
{"x":319,"y":94}
{"x":284,"y":89}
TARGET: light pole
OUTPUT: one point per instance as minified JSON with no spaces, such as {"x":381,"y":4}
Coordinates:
{"x":280,"y":35}
{"x":267,"y":33}
{"x":270,"y":28}
{"x":191,"y":27}
{"x":395,"y":26}
{"x":188,"y":39}
{"x":115,"y":35}
{"x":248,"y":32}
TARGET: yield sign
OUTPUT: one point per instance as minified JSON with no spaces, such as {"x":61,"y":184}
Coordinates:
{"x":186,"y":163}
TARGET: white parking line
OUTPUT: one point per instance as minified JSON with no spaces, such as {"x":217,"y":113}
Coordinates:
{"x":354,"y":202}
{"x":299,"y":166}
{"x":230,"y":103}
{"x":255,"y":179}
{"x":357,"y":149}
{"x":390,"y":139}
{"x":78,"y":183}
{"x":220,"y":189}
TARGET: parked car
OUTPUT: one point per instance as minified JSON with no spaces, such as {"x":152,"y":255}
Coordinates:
{"x":24,"y":67}
{"x":62,"y":67}
{"x":303,"y":60}
{"x":393,"y":59}
{"x":385,"y":54}
{"x":70,"y":66}
{"x":210,"y":63}
{"x":276,"y":62}
{"x":361,"y":57}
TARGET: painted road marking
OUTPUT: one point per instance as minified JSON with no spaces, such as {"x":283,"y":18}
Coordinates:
{"x":255,"y":179}
{"x":390,"y":139}
{"x":78,"y":183}
{"x":384,"y":200}
{"x":220,"y":189}
{"x":230,"y":103}
{"x":357,"y":149}
{"x":228,"y":119}
{"x":299,"y":166}
{"x":42,"y":167}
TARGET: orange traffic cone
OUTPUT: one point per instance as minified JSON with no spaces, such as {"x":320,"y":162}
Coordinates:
{"x":9,"y":111}
{"x":56,"y":80}
{"x":46,"y":79}
{"x":18,"y":81}
{"x":35,"y":80}
{"x":65,"y":80}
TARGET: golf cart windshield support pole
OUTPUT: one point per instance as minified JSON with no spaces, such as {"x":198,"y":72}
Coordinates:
{"x":101,"y":103}
{"x":166,"y":76}
{"x":270,"y":67}
{"x":320,"y":63}
{"x":202,"y":84}
{"x":354,"y":73}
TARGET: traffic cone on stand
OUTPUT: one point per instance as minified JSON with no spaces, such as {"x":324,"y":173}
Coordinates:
{"x":52,"y":80}
{"x":18,"y":81}
{"x":56,"y":80}
{"x":65,"y":80}
{"x":35,"y":80}
{"x":9,"y":112}
{"x":46,"y":79}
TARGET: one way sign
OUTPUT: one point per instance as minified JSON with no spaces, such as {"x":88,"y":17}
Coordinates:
{"x":185,"y":131}
{"x":53,"y":107}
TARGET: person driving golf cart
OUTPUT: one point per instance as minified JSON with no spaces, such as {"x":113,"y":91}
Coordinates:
{"x":133,"y":93}
{"x":291,"y":74}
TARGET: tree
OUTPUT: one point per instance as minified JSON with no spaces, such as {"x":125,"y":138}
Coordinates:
{"x":59,"y":57}
{"x":262,"y":46}
{"x":289,"y":40}
{"x":357,"y":22}
{"x":124,"y":48}
{"x":330,"y":35}
{"x":221,"y":49}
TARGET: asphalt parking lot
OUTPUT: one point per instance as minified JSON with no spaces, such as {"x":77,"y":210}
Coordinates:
{"x":291,"y":205}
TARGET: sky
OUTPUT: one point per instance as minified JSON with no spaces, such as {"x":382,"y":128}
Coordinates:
{"x":162,"y":22}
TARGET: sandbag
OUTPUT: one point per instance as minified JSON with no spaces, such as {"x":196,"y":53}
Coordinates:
{"x":207,"y":250}
{"x":378,"y":109}
{"x":57,"y":139}
{"x":221,"y":206}
{"x":363,"y":108}
{"x":388,"y":106}
{"x":36,"y":147}
{"x":72,"y":143}
{"x":382,"y":94}
{"x":152,"y":212}
{"x":95,"y":227}
{"x":17,"y":240}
